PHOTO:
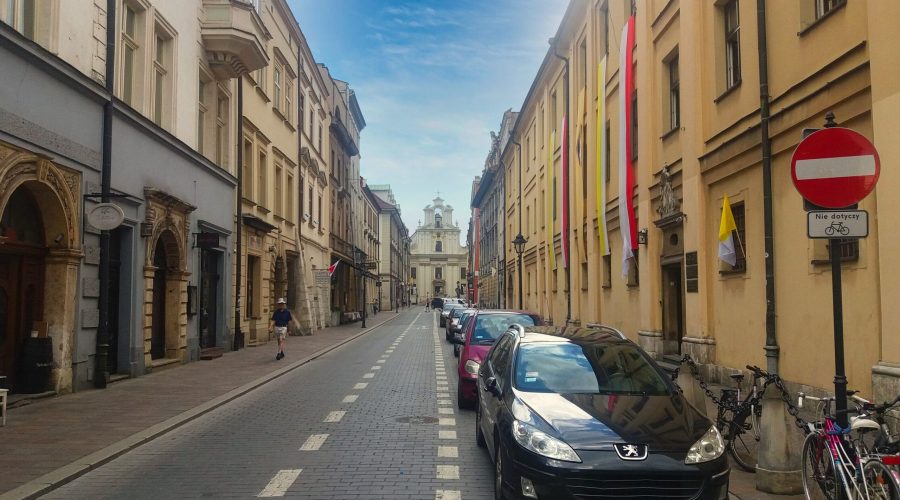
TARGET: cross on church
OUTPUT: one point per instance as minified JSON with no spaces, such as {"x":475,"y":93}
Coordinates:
{"x":438,"y":194}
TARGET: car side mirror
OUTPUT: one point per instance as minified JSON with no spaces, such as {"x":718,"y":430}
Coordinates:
{"x":492,"y":387}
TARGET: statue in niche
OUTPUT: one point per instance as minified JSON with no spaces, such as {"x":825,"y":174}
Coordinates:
{"x":668,"y":203}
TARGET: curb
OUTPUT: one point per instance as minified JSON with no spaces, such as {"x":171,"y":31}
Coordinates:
{"x":65,"y":474}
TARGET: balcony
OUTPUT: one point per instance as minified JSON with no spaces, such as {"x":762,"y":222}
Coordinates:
{"x":234,"y":37}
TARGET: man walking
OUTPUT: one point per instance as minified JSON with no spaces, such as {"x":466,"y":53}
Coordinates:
{"x":281,"y":318}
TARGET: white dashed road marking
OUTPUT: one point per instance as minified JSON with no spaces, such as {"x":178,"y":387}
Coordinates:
{"x":445,"y":411}
{"x":446,"y":434}
{"x":447,"y":421}
{"x":314,"y":442}
{"x":361,"y":385}
{"x":448,"y":472}
{"x":350,"y":399}
{"x":447,"y":495}
{"x":448,"y":452}
{"x":280,"y":483}
{"x":381,"y":361}
{"x":369,"y":375}
{"x":335,"y":416}
{"x":378,"y":367}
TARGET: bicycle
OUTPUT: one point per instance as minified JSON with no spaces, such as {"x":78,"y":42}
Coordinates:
{"x":738,"y":420}
{"x":876,"y":439}
{"x":833,"y":467}
{"x":837,"y":227}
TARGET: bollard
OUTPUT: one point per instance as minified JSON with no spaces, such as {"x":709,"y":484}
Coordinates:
{"x":778,"y":467}
{"x":691,"y":389}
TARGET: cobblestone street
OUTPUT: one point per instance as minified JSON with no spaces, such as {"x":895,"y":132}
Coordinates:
{"x":373,"y":419}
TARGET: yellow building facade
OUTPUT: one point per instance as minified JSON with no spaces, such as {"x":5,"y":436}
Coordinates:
{"x":698,"y":140}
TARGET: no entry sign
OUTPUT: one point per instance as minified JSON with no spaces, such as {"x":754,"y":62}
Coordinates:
{"x":835,"y":167}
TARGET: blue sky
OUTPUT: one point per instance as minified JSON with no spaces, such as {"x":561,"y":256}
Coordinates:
{"x":433,"y":78}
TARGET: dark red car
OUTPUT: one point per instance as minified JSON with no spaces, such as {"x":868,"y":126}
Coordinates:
{"x":482,"y":329}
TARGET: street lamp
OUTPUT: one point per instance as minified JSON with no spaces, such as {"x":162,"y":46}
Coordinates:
{"x":519,"y":245}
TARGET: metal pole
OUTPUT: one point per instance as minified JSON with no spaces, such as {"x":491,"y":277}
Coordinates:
{"x":238,"y":335}
{"x":771,"y":348}
{"x":101,"y":367}
{"x":363,"y":279}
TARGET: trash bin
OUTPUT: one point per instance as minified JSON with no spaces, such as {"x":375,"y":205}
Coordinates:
{"x":37,"y":363}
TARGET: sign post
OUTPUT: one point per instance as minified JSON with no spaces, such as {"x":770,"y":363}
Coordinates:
{"x":835,"y":168}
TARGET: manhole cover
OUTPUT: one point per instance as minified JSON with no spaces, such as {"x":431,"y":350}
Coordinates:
{"x":417,"y":420}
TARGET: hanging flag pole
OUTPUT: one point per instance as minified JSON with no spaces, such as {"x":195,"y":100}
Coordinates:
{"x":727,"y":228}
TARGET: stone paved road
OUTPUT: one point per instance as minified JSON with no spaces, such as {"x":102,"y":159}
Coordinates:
{"x":373,"y":419}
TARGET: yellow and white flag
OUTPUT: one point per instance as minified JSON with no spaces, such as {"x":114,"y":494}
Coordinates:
{"x":727,"y":227}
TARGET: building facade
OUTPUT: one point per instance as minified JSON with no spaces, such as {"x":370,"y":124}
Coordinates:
{"x":370,"y":245}
{"x":696,"y":138}
{"x":394,"y":251}
{"x":437,"y":259}
{"x":172,"y":119}
{"x":489,"y":213}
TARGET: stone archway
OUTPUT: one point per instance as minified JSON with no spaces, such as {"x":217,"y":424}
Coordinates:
{"x":54,"y":192}
{"x":165,"y":279}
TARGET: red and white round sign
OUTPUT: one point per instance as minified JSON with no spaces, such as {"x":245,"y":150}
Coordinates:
{"x":835,"y":167}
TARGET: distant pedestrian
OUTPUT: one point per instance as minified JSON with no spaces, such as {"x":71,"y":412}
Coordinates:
{"x":281,"y":318}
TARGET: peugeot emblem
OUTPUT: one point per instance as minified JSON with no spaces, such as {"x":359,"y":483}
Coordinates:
{"x":631,"y":451}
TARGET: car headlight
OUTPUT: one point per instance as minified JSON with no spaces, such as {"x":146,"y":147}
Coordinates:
{"x":534,"y":440}
{"x":709,"y":447}
{"x":472,"y":366}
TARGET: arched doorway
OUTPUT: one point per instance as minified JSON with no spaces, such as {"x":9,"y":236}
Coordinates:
{"x":166,"y":285}
{"x":22,"y":260}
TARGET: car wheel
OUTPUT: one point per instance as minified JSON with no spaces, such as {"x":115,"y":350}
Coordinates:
{"x":479,"y":436}
{"x":498,"y":472}
{"x":461,"y":402}
{"x":455,"y":350}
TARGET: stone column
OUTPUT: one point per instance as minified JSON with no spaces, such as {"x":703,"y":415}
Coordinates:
{"x":149,"y":271}
{"x":778,"y":469}
{"x":60,"y":304}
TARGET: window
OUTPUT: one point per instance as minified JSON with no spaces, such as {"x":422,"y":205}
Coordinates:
{"x":301,"y":108}
{"x":412,"y":272}
{"x":847,"y":247}
{"x":289,"y":198}
{"x":740,"y":265}
{"x":311,"y":203}
{"x":288,"y":100}
{"x":582,"y":63}
{"x":607,"y":271}
{"x":438,"y":273}
{"x":320,"y":136}
{"x":161,"y":78}
{"x":825,"y":6}
{"x":260,"y":77}
{"x":500,"y":360}
{"x":302,"y":192}
{"x":278,"y":191}
{"x":223,"y":108}
{"x":553,"y":117}
{"x":732,"y":45}
{"x":462,"y":273}
{"x":312,"y":123}
{"x":247,"y":174}
{"x":674,"y":95}
{"x":528,"y":219}
{"x":633,"y":278}
{"x":608,"y":154}
{"x":254,"y":286}
{"x":132,"y":36}
{"x":437,"y":221}
{"x":201,"y":114}
{"x":438,"y":246}
{"x":319,"y":215}
{"x":20,"y":14}
{"x":276,"y":86}
{"x":261,"y":184}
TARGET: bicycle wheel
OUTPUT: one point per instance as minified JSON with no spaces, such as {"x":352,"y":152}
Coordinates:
{"x":818,"y":478}
{"x":880,"y":484}
{"x":744,"y":442}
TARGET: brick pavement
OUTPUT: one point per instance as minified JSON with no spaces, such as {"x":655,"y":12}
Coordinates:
{"x":51,"y":433}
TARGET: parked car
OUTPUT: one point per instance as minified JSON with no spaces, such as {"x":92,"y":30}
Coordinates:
{"x":453,"y":321}
{"x":585,"y":413}
{"x":458,"y":335}
{"x":445,"y":311}
{"x":484,"y":328}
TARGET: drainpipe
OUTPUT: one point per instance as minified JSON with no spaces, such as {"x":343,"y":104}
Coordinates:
{"x":772,"y":350}
{"x":565,"y":196}
{"x":238,"y":334}
{"x":101,"y":374}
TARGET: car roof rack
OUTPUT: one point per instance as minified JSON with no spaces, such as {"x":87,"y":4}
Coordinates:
{"x":607,"y":329}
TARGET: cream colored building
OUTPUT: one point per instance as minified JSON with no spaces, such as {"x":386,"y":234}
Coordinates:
{"x":437,"y":259}
{"x":698,"y":139}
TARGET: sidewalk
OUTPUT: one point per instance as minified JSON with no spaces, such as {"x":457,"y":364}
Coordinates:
{"x":73,"y":433}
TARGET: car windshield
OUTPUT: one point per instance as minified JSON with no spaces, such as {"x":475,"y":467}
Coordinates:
{"x":599,"y":368}
{"x":490,"y":326}
{"x":447,"y":307}
{"x":456,"y":311}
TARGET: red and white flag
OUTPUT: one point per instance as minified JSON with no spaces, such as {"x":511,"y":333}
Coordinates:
{"x":627,"y":223}
{"x":332,"y":268}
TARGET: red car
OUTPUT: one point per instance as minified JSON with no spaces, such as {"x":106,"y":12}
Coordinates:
{"x":482,"y":329}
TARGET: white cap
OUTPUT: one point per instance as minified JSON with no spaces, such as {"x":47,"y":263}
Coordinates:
{"x":281,"y":301}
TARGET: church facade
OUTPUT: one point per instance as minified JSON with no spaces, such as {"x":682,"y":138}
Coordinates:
{"x":437,"y":259}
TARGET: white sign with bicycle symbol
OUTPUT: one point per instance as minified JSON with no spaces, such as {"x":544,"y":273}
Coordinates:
{"x":838,"y":224}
